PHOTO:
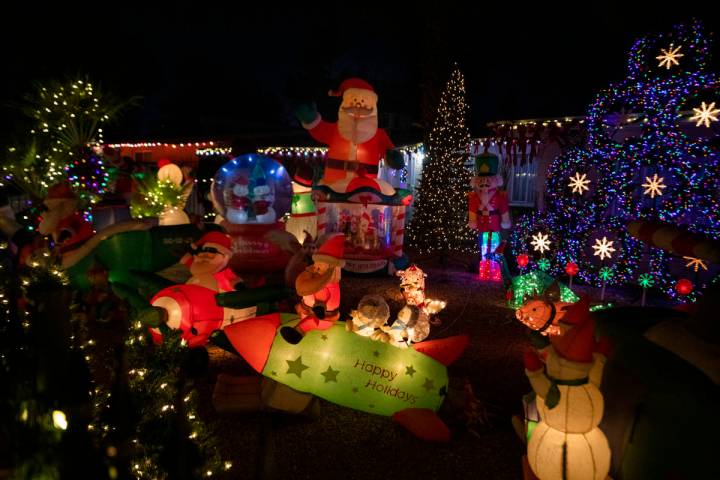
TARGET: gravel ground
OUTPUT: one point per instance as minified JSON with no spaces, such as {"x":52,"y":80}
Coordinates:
{"x":343,"y":443}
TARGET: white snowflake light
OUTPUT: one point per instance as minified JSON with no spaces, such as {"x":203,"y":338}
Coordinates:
{"x":579,"y":183}
{"x":603,"y":248}
{"x":669,"y":57}
{"x":654,"y":186}
{"x":540,"y":242}
{"x":705,"y":114}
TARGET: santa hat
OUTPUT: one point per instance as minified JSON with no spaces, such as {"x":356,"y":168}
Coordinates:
{"x":366,"y":217}
{"x":358,"y":83}
{"x":577,"y":343}
{"x":217,"y":240}
{"x":163,"y":162}
{"x":331,"y":252}
{"x":60,"y":191}
{"x":240,"y":180}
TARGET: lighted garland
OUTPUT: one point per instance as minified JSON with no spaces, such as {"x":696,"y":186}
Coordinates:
{"x":656,"y":98}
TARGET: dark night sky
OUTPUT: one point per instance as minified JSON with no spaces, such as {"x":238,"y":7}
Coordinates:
{"x":205,"y":70}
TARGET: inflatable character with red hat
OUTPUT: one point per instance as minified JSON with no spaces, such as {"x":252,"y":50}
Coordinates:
{"x":354,"y":142}
{"x":565,"y":376}
{"x":62,"y":221}
{"x":319,"y":287}
{"x":192,"y":307}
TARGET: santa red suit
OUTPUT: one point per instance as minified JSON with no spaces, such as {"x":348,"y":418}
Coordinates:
{"x":327,"y":297}
{"x":354,"y":141}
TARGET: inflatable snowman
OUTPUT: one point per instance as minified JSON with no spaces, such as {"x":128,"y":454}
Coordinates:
{"x":565,"y":377}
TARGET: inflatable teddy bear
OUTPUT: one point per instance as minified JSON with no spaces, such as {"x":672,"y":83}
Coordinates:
{"x":412,"y":325}
{"x":370,"y":316}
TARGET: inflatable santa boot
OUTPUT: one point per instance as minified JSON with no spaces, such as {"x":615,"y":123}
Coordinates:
{"x":319,"y":287}
{"x":488,"y":212}
{"x":355,"y":140}
{"x":567,"y":442}
{"x":239,"y":204}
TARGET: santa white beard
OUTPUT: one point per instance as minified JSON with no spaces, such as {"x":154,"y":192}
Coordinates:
{"x":356,"y":130}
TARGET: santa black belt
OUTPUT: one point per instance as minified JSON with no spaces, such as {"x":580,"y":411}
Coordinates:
{"x":489,"y":212}
{"x":345,"y":165}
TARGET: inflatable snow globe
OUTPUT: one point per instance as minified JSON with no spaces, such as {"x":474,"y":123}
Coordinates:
{"x":252,"y":193}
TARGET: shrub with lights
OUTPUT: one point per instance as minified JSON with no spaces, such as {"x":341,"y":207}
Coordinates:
{"x":67,"y":119}
{"x":639,"y":164}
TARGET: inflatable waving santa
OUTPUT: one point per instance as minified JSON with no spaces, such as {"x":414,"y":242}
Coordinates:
{"x":354,"y":142}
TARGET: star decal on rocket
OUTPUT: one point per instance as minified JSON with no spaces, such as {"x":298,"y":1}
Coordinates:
{"x":330,"y":374}
{"x":323,"y":337}
{"x":296,"y":366}
{"x":409,"y":370}
{"x":429,"y":384}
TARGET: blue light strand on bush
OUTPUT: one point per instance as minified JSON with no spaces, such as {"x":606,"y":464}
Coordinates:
{"x":653,"y":97}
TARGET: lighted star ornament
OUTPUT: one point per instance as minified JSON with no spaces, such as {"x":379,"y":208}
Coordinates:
{"x":654,"y":186}
{"x":603,"y":248}
{"x":579,"y":183}
{"x":669,"y":57}
{"x":705,"y":114}
{"x":540,"y":242}
{"x":695,"y":263}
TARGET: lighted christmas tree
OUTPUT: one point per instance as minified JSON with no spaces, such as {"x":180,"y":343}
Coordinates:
{"x":651,"y":156}
{"x":439,"y":222}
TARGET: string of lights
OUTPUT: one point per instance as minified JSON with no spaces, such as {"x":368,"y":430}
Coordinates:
{"x":439,"y":223}
{"x":658,"y":173}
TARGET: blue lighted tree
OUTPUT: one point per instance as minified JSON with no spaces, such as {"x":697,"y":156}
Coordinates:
{"x":640,"y":163}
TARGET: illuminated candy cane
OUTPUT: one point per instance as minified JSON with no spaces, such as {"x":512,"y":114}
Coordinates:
{"x":321,"y":219}
{"x":674,"y":239}
{"x":398,"y":230}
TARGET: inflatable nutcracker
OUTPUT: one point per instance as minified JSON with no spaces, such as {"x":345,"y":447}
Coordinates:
{"x":319,"y":287}
{"x":488,"y":212}
{"x":355,"y":142}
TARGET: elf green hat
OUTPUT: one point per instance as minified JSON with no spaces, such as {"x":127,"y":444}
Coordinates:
{"x":486,"y":165}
